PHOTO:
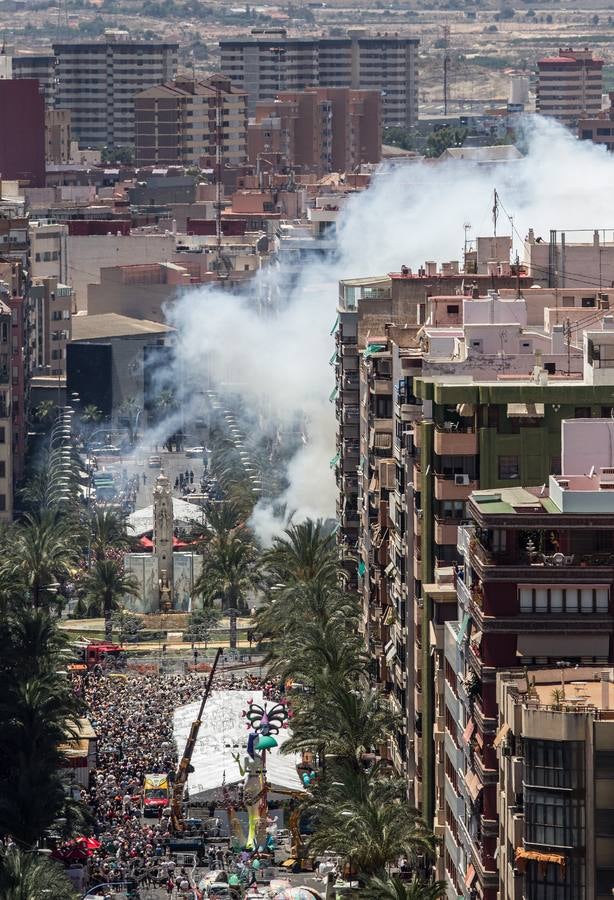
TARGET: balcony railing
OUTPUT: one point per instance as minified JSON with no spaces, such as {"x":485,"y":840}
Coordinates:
{"x":524,"y":559}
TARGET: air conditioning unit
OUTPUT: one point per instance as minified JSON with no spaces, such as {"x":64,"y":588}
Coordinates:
{"x":461,"y":479}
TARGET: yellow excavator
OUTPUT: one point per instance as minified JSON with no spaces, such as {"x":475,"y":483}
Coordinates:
{"x":185,"y":765}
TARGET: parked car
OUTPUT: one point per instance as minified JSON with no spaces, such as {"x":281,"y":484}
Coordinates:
{"x":194,"y":452}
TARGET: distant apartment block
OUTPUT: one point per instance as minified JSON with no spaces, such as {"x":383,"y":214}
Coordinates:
{"x":600,"y":128}
{"x":177,"y":123}
{"x":570,"y":86}
{"x":52,"y":305}
{"x":42,"y":67}
{"x":318,"y":130}
{"x":57,"y":136}
{"x":98,"y":80}
{"x":22,"y":132}
{"x":269,"y":62}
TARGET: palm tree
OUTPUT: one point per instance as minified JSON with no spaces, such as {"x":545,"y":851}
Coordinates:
{"x":306,"y":552}
{"x":228,"y":575}
{"x":44,"y":550}
{"x":39,"y":715}
{"x":91,"y":414}
{"x":31,"y":642}
{"x":30,"y":875}
{"x":373,"y":827}
{"x":346,"y":723}
{"x":105,"y":585}
{"x":108,"y":530}
{"x":393,"y":888}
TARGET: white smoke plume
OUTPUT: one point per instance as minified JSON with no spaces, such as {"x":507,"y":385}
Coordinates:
{"x":279,"y":362}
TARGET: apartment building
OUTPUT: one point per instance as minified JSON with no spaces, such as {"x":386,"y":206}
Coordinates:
{"x":49,"y":250}
{"x":534,"y":587}
{"x":569,"y":86}
{"x":98,"y":80}
{"x":317,"y":131}
{"x":22,"y":132}
{"x":178,"y":123}
{"x":58,"y":136}
{"x":42,"y":68}
{"x":567,"y":259}
{"x":52,"y":306}
{"x":269,"y":62}
{"x":555,"y":755}
{"x":599,"y":128}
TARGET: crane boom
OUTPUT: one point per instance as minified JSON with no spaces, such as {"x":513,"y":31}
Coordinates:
{"x":183,"y":769}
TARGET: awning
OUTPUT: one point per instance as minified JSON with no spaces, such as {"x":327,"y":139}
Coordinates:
{"x":333,"y":393}
{"x":468,"y":732}
{"x":470,"y":875}
{"x":432,"y":637}
{"x":563,"y":646}
{"x":370,"y":349}
{"x":476,"y":638}
{"x":465,"y":409}
{"x":374,"y":484}
{"x":383,"y":440}
{"x":361,"y":568}
{"x":474,"y":785}
{"x":388,"y":616}
{"x":335,"y":460}
{"x":390,"y":655}
{"x":522,"y":857}
{"x":334,"y":328}
{"x":460,"y":637}
{"x":525,"y":410}
{"x":333,"y":359}
{"x":501,"y":734}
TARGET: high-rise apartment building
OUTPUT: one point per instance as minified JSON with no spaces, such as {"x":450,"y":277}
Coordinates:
{"x":555,"y":750}
{"x":177,"y":123}
{"x":98,"y":80}
{"x":570,"y":85}
{"x":535,"y":588}
{"x":41,"y":67}
{"x":319,"y":130}
{"x":52,"y":305}
{"x":269,"y":62}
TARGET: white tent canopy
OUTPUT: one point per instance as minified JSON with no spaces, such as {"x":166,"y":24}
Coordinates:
{"x":141,"y":521}
{"x":223,"y":733}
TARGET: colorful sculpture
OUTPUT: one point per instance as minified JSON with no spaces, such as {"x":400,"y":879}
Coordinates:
{"x":264,"y":723}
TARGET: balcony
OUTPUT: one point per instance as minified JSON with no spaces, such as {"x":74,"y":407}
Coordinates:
{"x":463,"y":537}
{"x":454,"y":442}
{"x":417,"y":568}
{"x":445,"y":531}
{"x":381,"y":386}
{"x":411,"y":412}
{"x":454,"y":487}
{"x":417,"y":436}
{"x":564,"y":555}
{"x":418,"y":522}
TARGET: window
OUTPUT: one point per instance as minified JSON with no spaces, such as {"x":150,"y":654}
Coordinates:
{"x":582,"y":412}
{"x":452,"y":309}
{"x":567,"y":599}
{"x":2,"y":502}
{"x":553,"y":820}
{"x":476,"y":345}
{"x":568,"y":301}
{"x":2,"y":469}
{"x":588,"y":302}
{"x":508,"y":468}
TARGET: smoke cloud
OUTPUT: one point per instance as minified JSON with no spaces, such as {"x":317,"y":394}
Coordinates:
{"x":278,"y":362}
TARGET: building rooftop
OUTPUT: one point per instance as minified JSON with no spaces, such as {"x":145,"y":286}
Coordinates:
{"x":109,"y":325}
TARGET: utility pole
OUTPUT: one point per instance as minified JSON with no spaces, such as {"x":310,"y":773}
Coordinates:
{"x":446,"y":63}
{"x":568,"y":339}
{"x":517,"y":275}
{"x":218,"y":176}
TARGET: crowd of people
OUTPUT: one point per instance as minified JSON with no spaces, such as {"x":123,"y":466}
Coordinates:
{"x":132,"y":715}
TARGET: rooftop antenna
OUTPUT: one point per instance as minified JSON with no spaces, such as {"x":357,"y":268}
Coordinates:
{"x":467,"y":229}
